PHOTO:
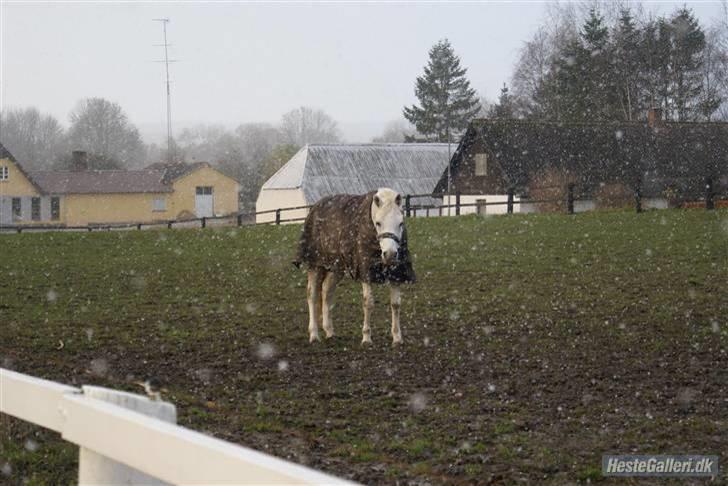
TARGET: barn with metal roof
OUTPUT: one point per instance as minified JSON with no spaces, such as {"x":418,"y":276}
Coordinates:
{"x":317,"y":171}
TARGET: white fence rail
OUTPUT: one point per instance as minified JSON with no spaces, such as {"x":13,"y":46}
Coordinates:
{"x":120,"y":443}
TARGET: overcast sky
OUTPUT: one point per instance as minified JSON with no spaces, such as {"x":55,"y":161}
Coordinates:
{"x":248,"y":62}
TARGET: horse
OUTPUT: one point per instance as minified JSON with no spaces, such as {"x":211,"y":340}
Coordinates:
{"x":360,"y":236}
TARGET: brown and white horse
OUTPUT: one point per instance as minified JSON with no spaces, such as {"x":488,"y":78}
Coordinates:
{"x":363,"y":237}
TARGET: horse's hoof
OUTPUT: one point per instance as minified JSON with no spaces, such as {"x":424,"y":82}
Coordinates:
{"x":329,"y":335}
{"x":397,"y":342}
{"x":366,"y":342}
{"x":313,"y":338}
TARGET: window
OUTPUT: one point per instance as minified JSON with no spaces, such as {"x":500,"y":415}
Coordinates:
{"x":35,"y":209}
{"x":55,"y":208}
{"x":17,"y":213}
{"x":203,"y":190}
{"x":4,"y":172}
{"x":159,"y":204}
{"x":481,"y":164}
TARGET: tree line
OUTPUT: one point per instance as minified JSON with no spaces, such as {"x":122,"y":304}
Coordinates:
{"x":249,"y":153}
{"x":606,"y":62}
{"x":615,"y":65}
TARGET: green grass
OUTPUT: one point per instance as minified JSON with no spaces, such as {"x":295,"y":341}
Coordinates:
{"x":538,"y":341}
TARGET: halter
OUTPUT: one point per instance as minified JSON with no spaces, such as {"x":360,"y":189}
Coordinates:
{"x":391,"y":236}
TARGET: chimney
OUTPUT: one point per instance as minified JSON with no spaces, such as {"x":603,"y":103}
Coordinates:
{"x":79,"y":161}
{"x":654,"y":117}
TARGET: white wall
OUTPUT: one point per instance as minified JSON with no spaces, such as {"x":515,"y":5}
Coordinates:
{"x":280,"y":198}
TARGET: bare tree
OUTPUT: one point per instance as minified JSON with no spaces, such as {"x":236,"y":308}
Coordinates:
{"x":102,"y":128}
{"x":35,"y":139}
{"x":396,"y":131}
{"x":308,"y":125}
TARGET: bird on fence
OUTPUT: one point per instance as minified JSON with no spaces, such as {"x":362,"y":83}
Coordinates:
{"x":153,"y":388}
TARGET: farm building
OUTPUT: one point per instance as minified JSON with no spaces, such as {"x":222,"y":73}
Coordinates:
{"x":91,"y":197}
{"x":322,"y":170}
{"x":668,"y":162}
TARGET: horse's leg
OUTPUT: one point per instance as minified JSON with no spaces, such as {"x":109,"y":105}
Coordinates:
{"x":368,"y":306}
{"x":327,"y":292}
{"x":313,"y":294}
{"x":395,"y":301}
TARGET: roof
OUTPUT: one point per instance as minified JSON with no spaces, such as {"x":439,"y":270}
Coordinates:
{"x":101,"y":181}
{"x":175,"y":170}
{"x":323,"y":170}
{"x":679,"y":154}
{"x":5,"y":154}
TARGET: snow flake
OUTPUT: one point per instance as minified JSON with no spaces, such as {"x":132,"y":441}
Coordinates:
{"x":283,"y":365}
{"x":417,"y":402}
{"x":51,"y":296}
{"x":265,"y":351}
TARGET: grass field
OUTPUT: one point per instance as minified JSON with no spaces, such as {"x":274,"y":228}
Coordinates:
{"x":533,"y":344}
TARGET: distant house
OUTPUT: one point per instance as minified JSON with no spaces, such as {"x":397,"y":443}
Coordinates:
{"x":323,"y":170}
{"x":663,"y":160}
{"x":88,"y":197}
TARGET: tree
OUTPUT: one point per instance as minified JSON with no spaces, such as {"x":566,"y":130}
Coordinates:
{"x":35,"y":139}
{"x":447,"y":102}
{"x":505,"y":108}
{"x":626,"y":62}
{"x":101,"y":127}
{"x":688,"y":43}
{"x":397,"y":131}
{"x":308,"y":125}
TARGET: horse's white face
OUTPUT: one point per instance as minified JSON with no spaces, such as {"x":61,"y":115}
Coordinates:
{"x":389,"y":222}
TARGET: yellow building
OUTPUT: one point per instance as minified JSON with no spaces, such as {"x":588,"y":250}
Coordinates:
{"x":80,"y":197}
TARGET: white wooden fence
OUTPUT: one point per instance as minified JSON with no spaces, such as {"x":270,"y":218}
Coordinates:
{"x":128,"y":439}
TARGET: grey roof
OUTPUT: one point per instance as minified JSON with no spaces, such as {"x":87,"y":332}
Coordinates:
{"x":323,"y":170}
{"x":101,"y":181}
{"x":175,"y":170}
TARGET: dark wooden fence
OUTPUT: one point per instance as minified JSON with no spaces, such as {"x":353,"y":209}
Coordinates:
{"x":410,"y":209}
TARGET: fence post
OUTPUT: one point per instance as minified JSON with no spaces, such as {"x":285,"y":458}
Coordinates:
{"x":89,"y":229}
{"x":709,"y":202}
{"x":20,"y":229}
{"x":457,"y":203}
{"x":570,"y":198}
{"x":93,"y":468}
{"x":638,"y":198}
{"x":510,"y":201}
{"x":139,"y":226}
{"x":278,"y":216}
{"x":240,"y":219}
{"x":169,"y":224}
{"x":407,"y":205}
{"x":203,"y":222}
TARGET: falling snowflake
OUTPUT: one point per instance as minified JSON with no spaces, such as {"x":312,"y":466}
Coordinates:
{"x":417,"y":402}
{"x":31,"y":445}
{"x":7,"y":469}
{"x":265,"y":351}
{"x":283,"y":365}
{"x":99,"y":367}
{"x":491,"y":387}
{"x":52,"y":295}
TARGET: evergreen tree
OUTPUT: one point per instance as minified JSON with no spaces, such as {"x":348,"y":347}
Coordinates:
{"x":688,"y":43}
{"x":626,"y":66}
{"x":447,"y":102}
{"x":504,"y":109}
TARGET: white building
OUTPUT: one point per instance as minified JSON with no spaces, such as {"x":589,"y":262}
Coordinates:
{"x":317,"y":171}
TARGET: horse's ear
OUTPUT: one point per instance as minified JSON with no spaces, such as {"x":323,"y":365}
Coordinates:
{"x":398,"y":200}
{"x":377,"y":201}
